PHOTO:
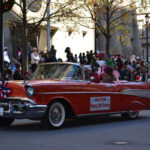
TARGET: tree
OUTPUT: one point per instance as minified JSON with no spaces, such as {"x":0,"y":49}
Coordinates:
{"x":34,"y":13}
{"x":111,"y":16}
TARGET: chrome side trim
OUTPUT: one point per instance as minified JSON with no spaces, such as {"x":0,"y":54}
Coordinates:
{"x":137,"y":102}
{"x":145,"y":93}
{"x":45,"y":93}
{"x":101,"y":114}
{"x":38,"y":106}
{"x":133,"y":92}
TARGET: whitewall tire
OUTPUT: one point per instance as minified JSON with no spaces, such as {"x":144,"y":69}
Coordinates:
{"x":55,"y":116}
{"x":130,"y":115}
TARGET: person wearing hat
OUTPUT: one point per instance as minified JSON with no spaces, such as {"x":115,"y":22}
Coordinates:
{"x":101,"y":62}
{"x":107,"y":76}
{"x":27,"y":75}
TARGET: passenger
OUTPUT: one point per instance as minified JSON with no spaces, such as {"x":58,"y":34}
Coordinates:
{"x":107,"y":76}
{"x":101,"y":62}
{"x":95,"y":75}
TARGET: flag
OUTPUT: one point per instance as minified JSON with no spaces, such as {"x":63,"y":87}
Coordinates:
{"x":4,"y":91}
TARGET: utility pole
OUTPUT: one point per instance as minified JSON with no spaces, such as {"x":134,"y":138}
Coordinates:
{"x":1,"y":40}
{"x":48,"y":26}
{"x":147,"y":24}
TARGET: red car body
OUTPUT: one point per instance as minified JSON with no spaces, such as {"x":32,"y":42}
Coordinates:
{"x":74,"y":98}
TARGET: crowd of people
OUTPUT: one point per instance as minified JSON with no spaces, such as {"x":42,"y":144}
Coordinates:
{"x":116,"y":66}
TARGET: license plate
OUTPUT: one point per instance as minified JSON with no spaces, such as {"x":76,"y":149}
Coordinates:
{"x":1,"y":111}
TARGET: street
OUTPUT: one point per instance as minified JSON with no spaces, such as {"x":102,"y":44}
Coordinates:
{"x":109,"y":133}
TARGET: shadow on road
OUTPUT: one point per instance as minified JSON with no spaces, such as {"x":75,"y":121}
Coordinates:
{"x":26,"y":125}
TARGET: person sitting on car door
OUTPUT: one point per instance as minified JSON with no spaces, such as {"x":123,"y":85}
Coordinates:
{"x":107,"y":76}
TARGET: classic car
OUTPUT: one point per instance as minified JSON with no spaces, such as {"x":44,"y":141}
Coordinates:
{"x":64,"y":90}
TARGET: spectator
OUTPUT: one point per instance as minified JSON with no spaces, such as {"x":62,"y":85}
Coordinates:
{"x":6,"y":56}
{"x":27,"y":75}
{"x":68,"y":52}
{"x":48,"y":54}
{"x":53,"y":56}
{"x":75,"y":58}
{"x":81,"y":58}
{"x":88,"y":57}
{"x":34,"y":59}
{"x":7,"y":71}
{"x":134,"y":65}
{"x":60,"y":60}
{"x":19,"y":55}
{"x":143,"y":71}
{"x":42,"y":57}
{"x":17,"y":74}
{"x":91,"y":55}
{"x":125,"y":74}
{"x":119,"y":63}
{"x":84,"y":59}
{"x":109,"y":62}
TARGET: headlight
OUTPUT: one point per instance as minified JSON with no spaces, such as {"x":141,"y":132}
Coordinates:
{"x":29,"y":91}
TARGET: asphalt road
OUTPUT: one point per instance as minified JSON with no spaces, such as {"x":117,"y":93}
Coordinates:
{"x":110,"y":133}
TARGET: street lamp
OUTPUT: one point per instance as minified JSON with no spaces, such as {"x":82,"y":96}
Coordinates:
{"x":147,"y":24}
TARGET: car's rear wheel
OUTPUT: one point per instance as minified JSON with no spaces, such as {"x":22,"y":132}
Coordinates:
{"x":55,"y":116}
{"x":130,"y":115}
{"x":5,"y":122}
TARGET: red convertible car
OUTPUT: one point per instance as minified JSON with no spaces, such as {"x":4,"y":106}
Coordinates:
{"x":63,"y":90}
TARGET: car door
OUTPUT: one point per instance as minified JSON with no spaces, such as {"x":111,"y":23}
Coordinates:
{"x":101,"y":98}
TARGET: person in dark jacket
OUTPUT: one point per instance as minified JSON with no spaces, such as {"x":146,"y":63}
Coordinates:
{"x":53,"y":56}
{"x":17,"y":74}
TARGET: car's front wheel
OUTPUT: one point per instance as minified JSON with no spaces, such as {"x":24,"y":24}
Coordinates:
{"x":55,"y":116}
{"x":131,"y":115}
{"x":5,"y":122}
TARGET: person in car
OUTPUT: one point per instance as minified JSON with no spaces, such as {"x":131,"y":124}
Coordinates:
{"x":107,"y":76}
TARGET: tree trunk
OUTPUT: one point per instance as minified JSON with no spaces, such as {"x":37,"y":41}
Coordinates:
{"x":108,"y":33}
{"x":108,"y":46}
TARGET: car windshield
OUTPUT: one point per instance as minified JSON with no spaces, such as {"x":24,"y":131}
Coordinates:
{"x":58,"y":71}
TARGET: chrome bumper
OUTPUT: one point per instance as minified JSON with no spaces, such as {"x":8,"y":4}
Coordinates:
{"x":21,"y":108}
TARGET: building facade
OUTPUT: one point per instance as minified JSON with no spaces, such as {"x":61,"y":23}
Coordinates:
{"x":80,"y":39}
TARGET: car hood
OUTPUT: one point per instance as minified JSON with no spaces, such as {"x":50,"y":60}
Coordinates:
{"x":17,"y":87}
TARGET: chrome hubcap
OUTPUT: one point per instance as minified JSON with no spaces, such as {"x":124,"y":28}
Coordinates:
{"x":56,"y":115}
{"x":133,"y":114}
